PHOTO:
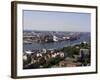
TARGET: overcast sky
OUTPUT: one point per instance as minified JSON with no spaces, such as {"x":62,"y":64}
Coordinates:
{"x":56,"y":21}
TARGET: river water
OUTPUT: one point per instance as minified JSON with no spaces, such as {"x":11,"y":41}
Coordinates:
{"x":56,"y":45}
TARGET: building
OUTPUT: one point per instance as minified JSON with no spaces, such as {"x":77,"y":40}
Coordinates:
{"x":84,"y":52}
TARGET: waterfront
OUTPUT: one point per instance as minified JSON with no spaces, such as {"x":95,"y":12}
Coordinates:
{"x":56,"y":45}
{"x":56,"y":49}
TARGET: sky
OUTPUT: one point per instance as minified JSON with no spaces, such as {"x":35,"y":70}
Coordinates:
{"x":56,"y":21}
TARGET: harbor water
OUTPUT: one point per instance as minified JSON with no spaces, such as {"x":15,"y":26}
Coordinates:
{"x":56,"y":45}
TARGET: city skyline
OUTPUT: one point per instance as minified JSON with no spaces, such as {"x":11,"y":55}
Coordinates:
{"x":56,"y":21}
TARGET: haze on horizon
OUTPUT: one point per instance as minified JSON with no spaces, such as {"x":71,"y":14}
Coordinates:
{"x":56,"y":21}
